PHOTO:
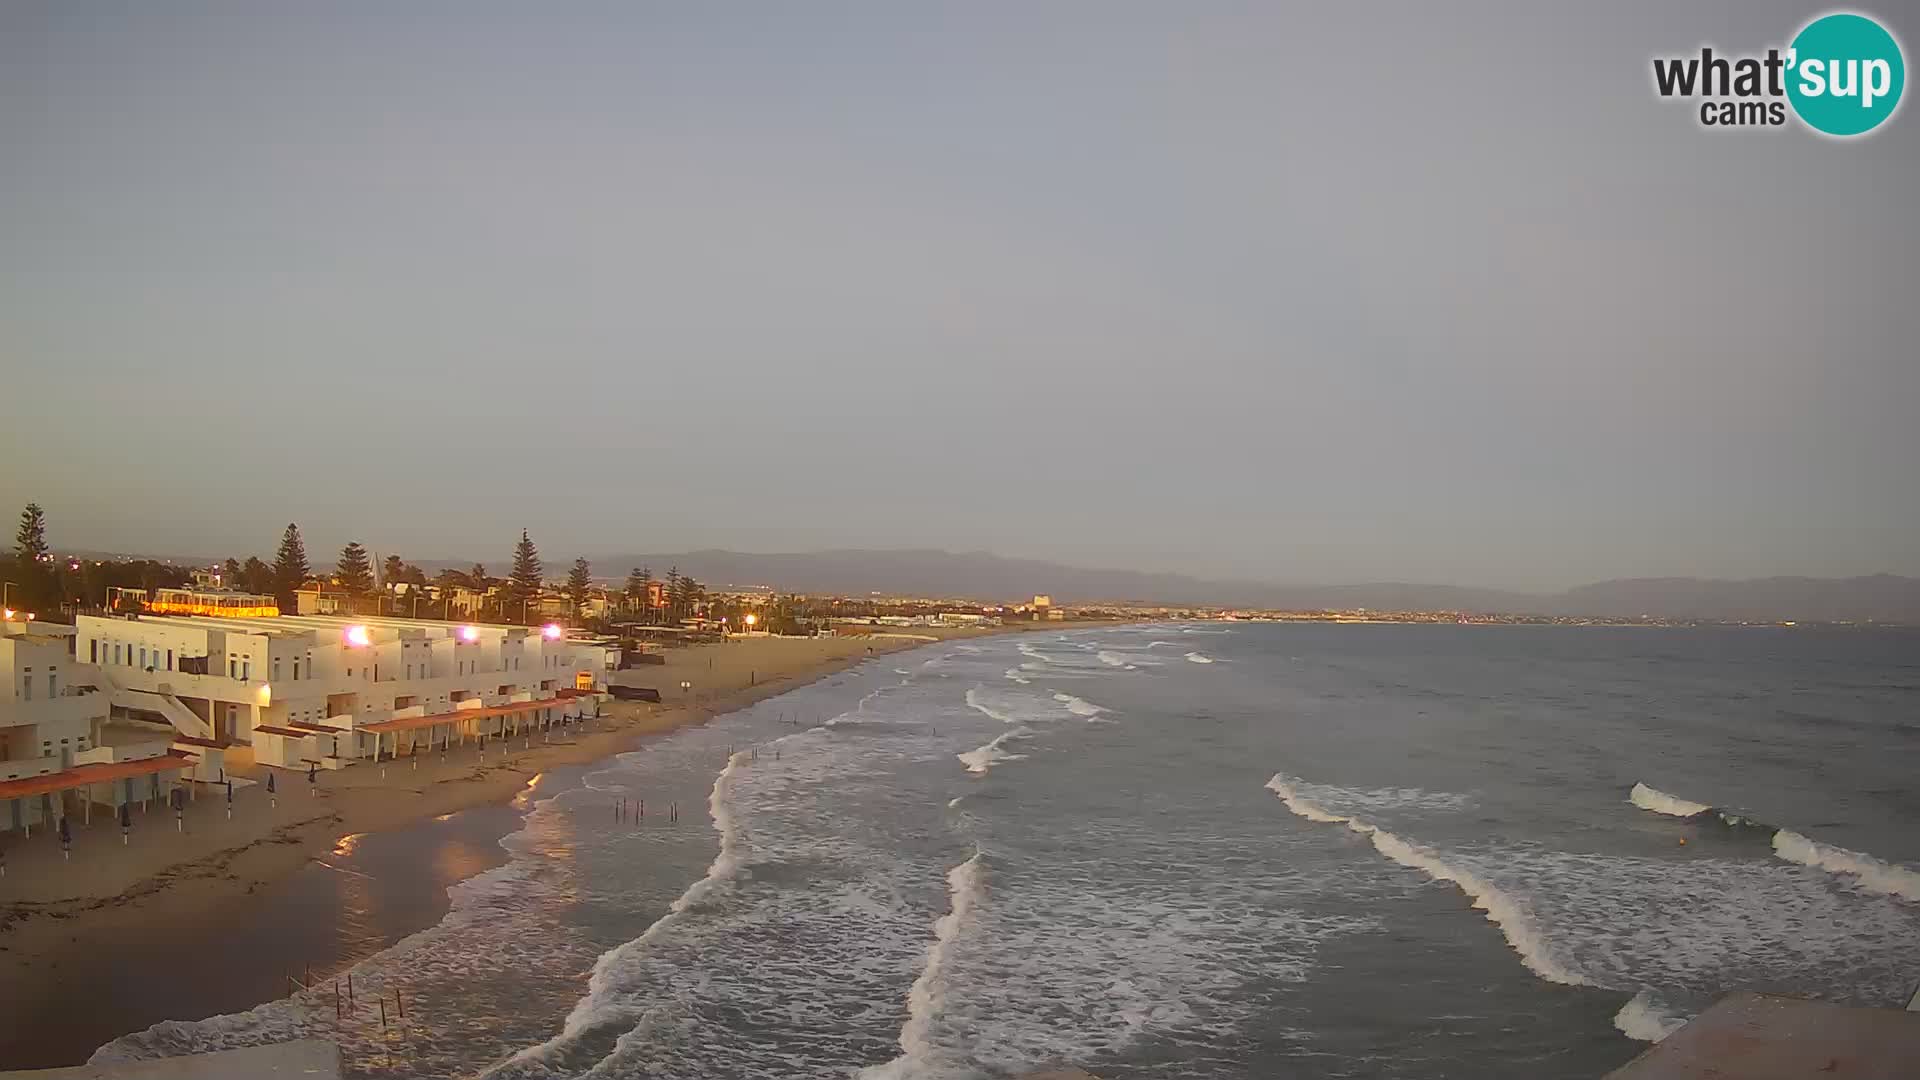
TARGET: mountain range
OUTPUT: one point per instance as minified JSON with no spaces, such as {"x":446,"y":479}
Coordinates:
{"x":984,"y":576}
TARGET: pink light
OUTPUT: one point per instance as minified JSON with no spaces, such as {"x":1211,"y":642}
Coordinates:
{"x":552,"y":630}
{"x":357,"y":635}
{"x":468,"y":633}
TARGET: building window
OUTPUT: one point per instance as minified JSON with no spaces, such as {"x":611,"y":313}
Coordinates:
{"x":296,"y":669}
{"x":116,"y":655}
{"x":276,"y":669}
{"x":27,"y":683}
{"x":93,"y":650}
{"x":143,"y":656}
{"x":246,"y":668}
{"x":169,"y":659}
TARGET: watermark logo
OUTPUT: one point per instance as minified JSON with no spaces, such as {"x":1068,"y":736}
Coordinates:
{"x":1843,"y":75}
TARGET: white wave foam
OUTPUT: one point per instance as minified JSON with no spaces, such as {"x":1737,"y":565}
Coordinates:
{"x":1079,"y":706}
{"x":1507,"y":912}
{"x":1871,"y":873}
{"x":1648,"y":798}
{"x":1199,"y":658}
{"x":1011,"y":706}
{"x":966,"y":891}
{"x":1014,"y":674}
{"x":1643,"y":1019}
{"x":977,"y":700}
{"x":1342,"y":802}
{"x":981,"y":759}
{"x":601,"y":1005}
{"x":1155,"y":644}
{"x":1113,"y":659}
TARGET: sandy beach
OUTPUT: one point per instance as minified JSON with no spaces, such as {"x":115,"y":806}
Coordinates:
{"x":69,"y":925}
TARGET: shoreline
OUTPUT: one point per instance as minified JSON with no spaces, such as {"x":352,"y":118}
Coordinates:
{"x":70,"y":923}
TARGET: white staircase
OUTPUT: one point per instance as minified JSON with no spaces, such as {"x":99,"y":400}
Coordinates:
{"x":184,"y":720}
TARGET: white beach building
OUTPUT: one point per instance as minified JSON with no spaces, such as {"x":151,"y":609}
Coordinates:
{"x":58,"y":748}
{"x":328,"y":690}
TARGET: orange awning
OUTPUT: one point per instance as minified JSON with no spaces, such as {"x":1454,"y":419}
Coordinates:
{"x":97,"y":773}
{"x":409,"y":723}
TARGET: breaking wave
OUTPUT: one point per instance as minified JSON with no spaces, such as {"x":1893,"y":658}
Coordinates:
{"x":601,"y":1005}
{"x":1504,"y":911}
{"x":966,"y":891}
{"x":1870,"y":873}
{"x":981,"y":759}
{"x":1644,"y":1019}
{"x":1647,"y":798}
{"x":1079,"y":706}
{"x":1199,"y":658}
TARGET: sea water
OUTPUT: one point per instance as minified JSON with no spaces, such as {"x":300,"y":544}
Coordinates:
{"x":1187,"y":850}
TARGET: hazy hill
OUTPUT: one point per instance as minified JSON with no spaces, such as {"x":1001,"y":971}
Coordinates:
{"x":926,"y":572}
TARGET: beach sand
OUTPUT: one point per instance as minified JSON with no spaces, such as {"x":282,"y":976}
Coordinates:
{"x":68,"y":925}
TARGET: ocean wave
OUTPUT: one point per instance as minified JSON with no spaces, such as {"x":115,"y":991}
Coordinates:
{"x":1199,"y":658}
{"x":1340,"y":803}
{"x":1079,"y":706}
{"x":1644,"y":1019}
{"x":1014,"y":674}
{"x":1504,"y":911}
{"x":983,"y":758}
{"x":1114,"y":660}
{"x":966,"y":890}
{"x":1649,"y":798}
{"x":1683,"y":932}
{"x":1873,"y":874}
{"x":978,"y":701}
{"x":602,"y":1004}
{"x":1870,"y":873}
{"x":1010,"y":706}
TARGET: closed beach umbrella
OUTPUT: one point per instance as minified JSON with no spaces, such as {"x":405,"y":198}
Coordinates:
{"x":269,"y":783}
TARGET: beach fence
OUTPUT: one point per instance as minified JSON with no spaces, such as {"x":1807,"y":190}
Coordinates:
{"x":384,"y":1011}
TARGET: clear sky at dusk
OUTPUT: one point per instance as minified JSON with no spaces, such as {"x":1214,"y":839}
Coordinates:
{"x":1323,"y":295}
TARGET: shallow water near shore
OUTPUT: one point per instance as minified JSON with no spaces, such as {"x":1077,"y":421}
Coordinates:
{"x":1176,"y":850}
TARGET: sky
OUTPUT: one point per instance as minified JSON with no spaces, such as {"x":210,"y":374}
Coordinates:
{"x":1299,"y":293}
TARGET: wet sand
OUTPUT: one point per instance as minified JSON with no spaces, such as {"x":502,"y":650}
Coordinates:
{"x":216,"y":919}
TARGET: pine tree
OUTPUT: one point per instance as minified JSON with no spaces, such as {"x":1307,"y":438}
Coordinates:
{"x":30,"y":543}
{"x":230,"y":574}
{"x":673,"y":593}
{"x":39,"y":587}
{"x":392,"y":570}
{"x":636,"y":587}
{"x":579,"y":584}
{"x":355,"y":570}
{"x":290,"y":569}
{"x":256,"y":576}
{"x":524,"y":582}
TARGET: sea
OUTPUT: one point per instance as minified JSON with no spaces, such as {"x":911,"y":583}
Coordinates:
{"x":1198,"y":849}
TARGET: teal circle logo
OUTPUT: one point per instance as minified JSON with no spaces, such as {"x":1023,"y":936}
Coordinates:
{"x":1845,"y":74}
